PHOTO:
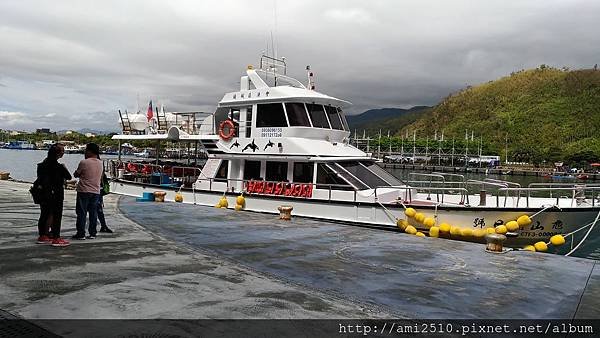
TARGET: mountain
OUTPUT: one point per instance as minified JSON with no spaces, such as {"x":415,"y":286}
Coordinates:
{"x":542,"y":114}
{"x":374,"y":119}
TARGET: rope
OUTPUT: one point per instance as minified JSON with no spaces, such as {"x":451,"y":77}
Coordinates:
{"x":584,"y":237}
{"x":388,"y":213}
{"x":544,"y":209}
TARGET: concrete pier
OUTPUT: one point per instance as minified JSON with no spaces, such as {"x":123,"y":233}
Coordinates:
{"x":182,"y":261}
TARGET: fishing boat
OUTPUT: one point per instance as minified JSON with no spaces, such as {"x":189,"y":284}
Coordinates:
{"x":277,"y":141}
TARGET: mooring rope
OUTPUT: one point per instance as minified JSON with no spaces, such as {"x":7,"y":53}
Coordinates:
{"x":584,"y":237}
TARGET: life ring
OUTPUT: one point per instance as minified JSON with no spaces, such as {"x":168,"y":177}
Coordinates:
{"x":230,"y":130}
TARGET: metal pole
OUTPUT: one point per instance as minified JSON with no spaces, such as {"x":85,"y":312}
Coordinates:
{"x":452,"y":158}
{"x":119,"y":155}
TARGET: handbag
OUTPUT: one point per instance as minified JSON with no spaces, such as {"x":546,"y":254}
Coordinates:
{"x":37,"y":192}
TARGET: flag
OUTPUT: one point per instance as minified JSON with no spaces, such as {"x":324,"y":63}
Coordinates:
{"x":150,"y":113}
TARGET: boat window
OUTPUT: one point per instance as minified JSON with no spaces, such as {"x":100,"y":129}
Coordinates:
{"x":343,"y":117}
{"x":221,"y":114}
{"x":248,"y":121}
{"x":317,"y":115}
{"x":297,"y":116}
{"x":234,"y":115}
{"x":270,"y":115}
{"x":222,"y":172}
{"x":334,"y":118}
{"x":303,"y":172}
{"x":252,"y":170}
{"x":379,"y":171}
{"x":327,"y":178}
{"x":363,"y":174}
{"x":276,"y":171}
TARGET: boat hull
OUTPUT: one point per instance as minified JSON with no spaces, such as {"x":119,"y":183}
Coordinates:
{"x":546,"y":224}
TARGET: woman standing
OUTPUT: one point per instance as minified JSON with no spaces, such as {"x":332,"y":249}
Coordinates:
{"x":52,"y":176}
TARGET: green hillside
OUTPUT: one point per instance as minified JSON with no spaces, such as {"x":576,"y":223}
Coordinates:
{"x":548,"y":114}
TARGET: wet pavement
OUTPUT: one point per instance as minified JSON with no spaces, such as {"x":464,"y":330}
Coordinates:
{"x":136,"y":273}
{"x":409,"y":276}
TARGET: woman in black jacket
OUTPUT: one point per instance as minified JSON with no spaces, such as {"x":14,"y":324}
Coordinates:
{"x":52,"y":176}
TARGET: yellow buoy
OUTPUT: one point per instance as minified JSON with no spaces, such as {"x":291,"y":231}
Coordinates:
{"x":434,"y":232}
{"x":419,"y":217}
{"x":490,"y":230}
{"x":410,"y":212}
{"x":524,"y":221}
{"x":466,"y":232}
{"x":402,"y":224}
{"x":420,"y":234}
{"x":238,"y":207}
{"x":223,"y":202}
{"x":501,"y":229}
{"x":454,"y":231}
{"x":445,"y":227}
{"x":179,"y":197}
{"x":540,"y":246}
{"x":479,"y":233}
{"x":240,"y":200}
{"x":218,"y":205}
{"x":512,"y":226}
{"x":429,"y":222}
{"x":557,"y":240}
{"x":410,"y":230}
{"x":529,"y":248}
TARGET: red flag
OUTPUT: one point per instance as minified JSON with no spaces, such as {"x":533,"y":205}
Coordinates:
{"x":150,"y":113}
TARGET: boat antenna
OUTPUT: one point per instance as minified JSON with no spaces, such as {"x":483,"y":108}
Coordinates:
{"x":274,"y":28}
{"x":311,"y":80}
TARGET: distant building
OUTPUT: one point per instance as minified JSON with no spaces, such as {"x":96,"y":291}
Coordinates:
{"x":14,"y":133}
{"x":89,"y":135}
{"x":68,"y":132}
{"x":42,"y":131}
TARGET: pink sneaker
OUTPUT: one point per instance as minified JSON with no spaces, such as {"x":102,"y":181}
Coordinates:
{"x":44,"y":240}
{"x":60,"y":242}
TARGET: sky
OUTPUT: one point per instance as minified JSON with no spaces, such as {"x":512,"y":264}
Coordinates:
{"x":72,"y":64}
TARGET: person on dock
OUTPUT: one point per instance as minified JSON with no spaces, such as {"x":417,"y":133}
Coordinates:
{"x":89,"y":173}
{"x":52,"y":176}
{"x":100,"y":210}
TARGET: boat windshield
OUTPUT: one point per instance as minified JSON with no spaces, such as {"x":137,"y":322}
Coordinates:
{"x":369,"y":173}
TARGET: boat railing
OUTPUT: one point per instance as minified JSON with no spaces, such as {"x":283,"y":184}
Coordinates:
{"x":161,"y":174}
{"x":439,"y":192}
{"x":576,"y":194}
{"x":462,"y":179}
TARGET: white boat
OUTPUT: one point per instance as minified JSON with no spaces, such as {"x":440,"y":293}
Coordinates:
{"x":279,"y":142}
{"x":74,"y":149}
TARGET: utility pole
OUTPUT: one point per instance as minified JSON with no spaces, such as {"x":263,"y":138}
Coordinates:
{"x":466,"y":148}
{"x":402,"y":149}
{"x":379,"y":145}
{"x":426,"y":150}
{"x":480,"y":148}
{"x":506,"y":149}
{"x":390,"y":141}
{"x":414,"y":146}
{"x":452,"y":158}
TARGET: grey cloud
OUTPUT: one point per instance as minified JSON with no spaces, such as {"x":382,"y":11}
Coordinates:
{"x":75,"y":58}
